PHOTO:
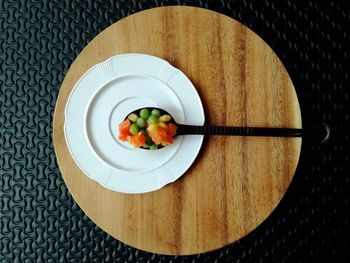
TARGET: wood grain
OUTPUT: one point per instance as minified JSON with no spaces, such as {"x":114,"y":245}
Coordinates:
{"x":235,"y":182}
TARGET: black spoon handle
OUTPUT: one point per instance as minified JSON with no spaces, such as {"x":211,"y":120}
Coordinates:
{"x":239,"y":131}
{"x":320,"y":133}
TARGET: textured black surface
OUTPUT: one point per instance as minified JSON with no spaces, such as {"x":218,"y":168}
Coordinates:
{"x":39,"y":220}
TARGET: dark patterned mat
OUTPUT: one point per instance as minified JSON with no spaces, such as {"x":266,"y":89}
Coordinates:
{"x":39,"y":220}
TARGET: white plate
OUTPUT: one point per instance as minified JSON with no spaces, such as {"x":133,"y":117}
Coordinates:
{"x":102,"y":98}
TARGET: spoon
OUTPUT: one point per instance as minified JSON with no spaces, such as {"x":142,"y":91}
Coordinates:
{"x":320,"y":132}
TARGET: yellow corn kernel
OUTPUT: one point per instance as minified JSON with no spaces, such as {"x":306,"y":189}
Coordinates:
{"x":152,"y":128}
{"x":165,"y":118}
{"x":163,"y":125}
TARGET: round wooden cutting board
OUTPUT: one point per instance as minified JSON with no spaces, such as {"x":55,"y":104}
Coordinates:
{"x":235,"y":182}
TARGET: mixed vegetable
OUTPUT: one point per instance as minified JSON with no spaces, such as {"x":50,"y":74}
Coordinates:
{"x":149,"y":129}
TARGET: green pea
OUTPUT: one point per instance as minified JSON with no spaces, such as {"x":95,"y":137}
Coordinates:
{"x":152,"y":119}
{"x":144,"y":114}
{"x":141,"y":123}
{"x":153,"y":147}
{"x":133,"y":117}
{"x":155,"y":112}
{"x":134,"y":129}
{"x":149,"y":141}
